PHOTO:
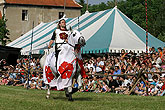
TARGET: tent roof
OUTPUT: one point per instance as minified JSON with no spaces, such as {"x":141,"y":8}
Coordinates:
{"x":104,"y":31}
{"x":115,"y":31}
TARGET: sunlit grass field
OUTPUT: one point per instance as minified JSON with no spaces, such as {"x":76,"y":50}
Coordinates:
{"x":18,"y":98}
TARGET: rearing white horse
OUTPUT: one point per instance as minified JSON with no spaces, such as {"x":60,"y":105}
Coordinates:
{"x":68,"y":65}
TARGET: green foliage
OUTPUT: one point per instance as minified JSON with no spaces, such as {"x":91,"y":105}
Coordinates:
{"x":4,"y":32}
{"x":82,"y":3}
{"x":135,"y":10}
{"x":161,"y":36}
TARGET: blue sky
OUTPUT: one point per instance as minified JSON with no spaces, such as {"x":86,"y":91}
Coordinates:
{"x":95,"y":1}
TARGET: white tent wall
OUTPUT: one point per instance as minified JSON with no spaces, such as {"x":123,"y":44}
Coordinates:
{"x":124,"y":37}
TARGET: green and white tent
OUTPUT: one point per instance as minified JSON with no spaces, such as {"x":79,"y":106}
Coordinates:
{"x":104,"y":31}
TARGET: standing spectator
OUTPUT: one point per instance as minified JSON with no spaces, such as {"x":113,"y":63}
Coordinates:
{"x":4,"y":65}
{"x":100,"y":65}
{"x":117,"y":62}
{"x":123,"y":54}
{"x":153,"y":50}
{"x":91,"y":72}
{"x":90,"y":65}
{"x":156,"y":60}
{"x":18,"y":62}
{"x":160,"y":52}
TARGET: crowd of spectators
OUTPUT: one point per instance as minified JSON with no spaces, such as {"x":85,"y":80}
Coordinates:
{"x":27,"y":73}
{"x":131,"y":65}
{"x":99,"y":70}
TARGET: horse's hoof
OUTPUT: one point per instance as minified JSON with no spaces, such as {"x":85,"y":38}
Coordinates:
{"x":47,"y":97}
{"x":67,"y":95}
{"x":71,"y":100}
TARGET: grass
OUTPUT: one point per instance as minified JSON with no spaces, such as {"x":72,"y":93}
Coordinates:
{"x":18,"y":98}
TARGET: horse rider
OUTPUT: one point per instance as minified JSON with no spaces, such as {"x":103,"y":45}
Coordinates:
{"x":60,"y":29}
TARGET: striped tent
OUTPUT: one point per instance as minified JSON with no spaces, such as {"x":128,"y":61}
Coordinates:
{"x":104,"y":31}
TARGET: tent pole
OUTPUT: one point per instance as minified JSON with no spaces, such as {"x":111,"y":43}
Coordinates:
{"x":64,"y":6}
{"x":87,"y":6}
{"x":78,"y":23}
{"x":30,"y":58}
{"x":32,"y":39}
{"x":115,"y":2}
{"x":146,"y":27}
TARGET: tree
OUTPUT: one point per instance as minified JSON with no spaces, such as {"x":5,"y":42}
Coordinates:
{"x":82,"y":3}
{"x":135,"y":10}
{"x":4,"y":32}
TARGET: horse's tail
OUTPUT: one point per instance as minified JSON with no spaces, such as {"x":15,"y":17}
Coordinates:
{"x":42,"y":60}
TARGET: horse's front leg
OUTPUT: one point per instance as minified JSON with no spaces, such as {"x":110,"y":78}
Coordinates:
{"x":48,"y":92}
{"x":68,"y":93}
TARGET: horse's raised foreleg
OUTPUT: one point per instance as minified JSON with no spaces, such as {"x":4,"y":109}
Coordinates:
{"x":79,"y":81}
{"x":48,"y":92}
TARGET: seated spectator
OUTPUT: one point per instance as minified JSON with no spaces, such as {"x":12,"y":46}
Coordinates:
{"x":153,"y":90}
{"x":105,"y":88}
{"x":98,"y":89}
{"x":116,"y":72}
{"x":162,"y":89}
{"x":129,"y":69}
{"x":19,"y":81}
{"x":111,"y":71}
{"x":4,"y":80}
{"x":33,"y":84}
{"x":138,"y":91}
{"x":112,"y":84}
{"x":124,"y":88}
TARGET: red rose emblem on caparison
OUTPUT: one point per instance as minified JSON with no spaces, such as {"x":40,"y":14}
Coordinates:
{"x":66,"y":70}
{"x":49,"y":75}
{"x":63,"y":35}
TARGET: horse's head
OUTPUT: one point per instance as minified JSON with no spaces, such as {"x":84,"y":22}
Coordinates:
{"x":76,"y":38}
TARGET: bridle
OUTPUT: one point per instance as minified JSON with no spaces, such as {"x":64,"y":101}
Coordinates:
{"x":81,"y":42}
